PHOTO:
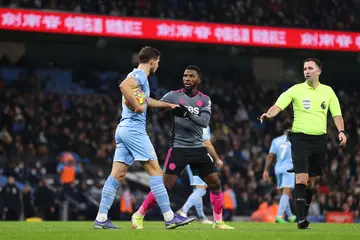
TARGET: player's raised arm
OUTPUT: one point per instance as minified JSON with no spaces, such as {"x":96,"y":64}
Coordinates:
{"x":126,"y":88}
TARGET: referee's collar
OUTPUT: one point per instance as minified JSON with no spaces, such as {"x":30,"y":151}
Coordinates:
{"x":307,"y":86}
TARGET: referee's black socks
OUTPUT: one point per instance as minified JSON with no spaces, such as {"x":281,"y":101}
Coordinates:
{"x":300,"y":196}
{"x":309,"y":194}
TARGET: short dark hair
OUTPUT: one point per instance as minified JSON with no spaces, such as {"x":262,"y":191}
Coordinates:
{"x":315,"y":60}
{"x":287,"y":124}
{"x":194,"y":68}
{"x":147,"y":53}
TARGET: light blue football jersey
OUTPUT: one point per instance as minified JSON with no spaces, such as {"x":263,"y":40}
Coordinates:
{"x":282,"y":149}
{"x":128,"y":117}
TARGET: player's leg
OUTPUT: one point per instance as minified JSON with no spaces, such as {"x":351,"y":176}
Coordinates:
{"x":207,"y":169}
{"x":300,"y":155}
{"x":285,"y":203}
{"x":150,"y":200}
{"x":286,"y":184}
{"x":122,"y":161}
{"x":158,"y":189}
{"x":171,"y":220}
{"x":217,"y":200}
{"x":289,"y":184}
{"x":199,"y":206}
{"x":148,"y":203}
{"x":195,"y":199}
{"x":282,"y":202}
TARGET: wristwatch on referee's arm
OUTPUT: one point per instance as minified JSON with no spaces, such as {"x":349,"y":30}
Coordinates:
{"x":342,"y":131}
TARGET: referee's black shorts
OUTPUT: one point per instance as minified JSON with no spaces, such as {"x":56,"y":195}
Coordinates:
{"x":308,"y":153}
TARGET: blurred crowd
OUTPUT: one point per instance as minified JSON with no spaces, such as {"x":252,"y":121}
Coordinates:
{"x":39,"y":130}
{"x":321,"y":14}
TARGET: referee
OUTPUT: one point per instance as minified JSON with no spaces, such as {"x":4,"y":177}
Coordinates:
{"x":311,"y":101}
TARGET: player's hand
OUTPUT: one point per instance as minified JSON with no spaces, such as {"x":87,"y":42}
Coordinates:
{"x":180,"y":111}
{"x":172,"y":106}
{"x":140,"y":109}
{"x":342,"y":139}
{"x":264,"y":116}
{"x":219,"y":163}
{"x":266,"y":176}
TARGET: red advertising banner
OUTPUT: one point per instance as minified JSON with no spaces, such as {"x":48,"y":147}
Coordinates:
{"x":182,"y":31}
{"x":339,"y":217}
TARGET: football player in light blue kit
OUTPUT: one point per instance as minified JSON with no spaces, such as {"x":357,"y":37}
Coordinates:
{"x":281,"y":149}
{"x":195,"y":199}
{"x":133,"y":144}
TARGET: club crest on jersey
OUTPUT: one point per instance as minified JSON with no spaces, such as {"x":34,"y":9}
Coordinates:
{"x":306,"y":104}
{"x":323,"y":105}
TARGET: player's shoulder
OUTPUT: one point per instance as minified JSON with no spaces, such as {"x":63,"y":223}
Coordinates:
{"x":177,"y":92}
{"x":174,"y":93}
{"x":137,"y":73}
{"x":279,"y":139}
{"x":203,"y":95}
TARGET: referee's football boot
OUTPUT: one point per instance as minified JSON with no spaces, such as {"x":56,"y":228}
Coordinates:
{"x":303,"y":224}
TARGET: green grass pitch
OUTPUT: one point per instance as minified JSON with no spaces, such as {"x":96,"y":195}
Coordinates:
{"x":157,"y":231}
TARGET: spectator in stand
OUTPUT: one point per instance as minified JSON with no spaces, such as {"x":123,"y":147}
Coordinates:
{"x":67,"y":169}
{"x":45,"y":202}
{"x":28,"y":203}
{"x":11,"y":200}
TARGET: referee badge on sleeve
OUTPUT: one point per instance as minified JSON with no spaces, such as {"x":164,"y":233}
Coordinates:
{"x":306,"y":104}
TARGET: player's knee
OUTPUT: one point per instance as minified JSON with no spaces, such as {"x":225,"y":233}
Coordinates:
{"x":213,"y":182}
{"x":169,"y":181}
{"x":287,"y":191}
{"x":168,"y":185}
{"x":152,"y":168}
{"x":119,"y":175}
{"x":302,"y":178}
{"x":156,"y":172}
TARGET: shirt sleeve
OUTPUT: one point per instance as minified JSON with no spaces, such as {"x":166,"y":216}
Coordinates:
{"x":169,"y":98}
{"x":207,"y":105}
{"x":206,"y":133}
{"x":139,"y":78}
{"x":334,"y":105}
{"x":285,"y":99}
{"x":272,"y":147}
